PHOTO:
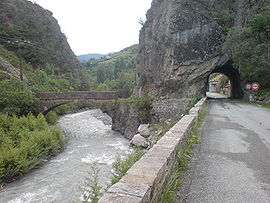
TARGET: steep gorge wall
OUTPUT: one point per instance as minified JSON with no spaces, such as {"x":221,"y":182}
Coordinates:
{"x":180,"y":46}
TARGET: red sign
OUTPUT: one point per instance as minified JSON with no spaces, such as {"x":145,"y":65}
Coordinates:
{"x":255,"y":86}
{"x":248,"y":86}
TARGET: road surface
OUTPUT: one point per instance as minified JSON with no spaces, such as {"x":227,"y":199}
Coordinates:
{"x":232,"y":161}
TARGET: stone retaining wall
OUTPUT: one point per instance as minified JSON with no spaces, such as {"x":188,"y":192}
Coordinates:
{"x":145,"y":180}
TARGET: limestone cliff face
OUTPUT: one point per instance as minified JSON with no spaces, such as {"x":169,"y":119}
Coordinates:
{"x":175,"y":47}
{"x":125,"y":119}
{"x":34,"y":34}
{"x":180,"y":46}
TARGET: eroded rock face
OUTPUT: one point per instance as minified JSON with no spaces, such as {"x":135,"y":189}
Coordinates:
{"x":178,"y":51}
{"x":9,"y":71}
{"x":179,"y":48}
{"x":125,"y":119}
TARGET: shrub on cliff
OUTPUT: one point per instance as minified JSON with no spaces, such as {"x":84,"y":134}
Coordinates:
{"x":24,"y":143}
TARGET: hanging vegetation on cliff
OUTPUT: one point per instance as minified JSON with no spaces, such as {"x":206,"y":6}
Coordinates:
{"x":250,"y":47}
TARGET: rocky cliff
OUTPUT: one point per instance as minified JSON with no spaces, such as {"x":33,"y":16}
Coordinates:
{"x":181,"y":45}
{"x":33,"y":34}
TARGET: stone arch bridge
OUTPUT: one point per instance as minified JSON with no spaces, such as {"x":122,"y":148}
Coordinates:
{"x":100,"y":100}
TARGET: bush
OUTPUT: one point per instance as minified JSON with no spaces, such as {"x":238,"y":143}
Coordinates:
{"x":51,"y":117}
{"x":144,"y":105}
{"x":24,"y":143}
{"x":15,"y":97}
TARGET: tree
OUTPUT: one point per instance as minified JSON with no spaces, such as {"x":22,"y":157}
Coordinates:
{"x":250,"y":47}
{"x":15,"y":97}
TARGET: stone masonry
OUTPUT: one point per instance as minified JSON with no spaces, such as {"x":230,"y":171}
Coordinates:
{"x":48,"y":101}
{"x":144,"y":181}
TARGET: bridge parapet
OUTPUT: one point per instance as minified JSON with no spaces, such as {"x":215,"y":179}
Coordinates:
{"x":49,"y":100}
{"x":109,"y":95}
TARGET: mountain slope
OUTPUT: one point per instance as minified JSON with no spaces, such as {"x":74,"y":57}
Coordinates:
{"x":31,"y":33}
{"x":86,"y":57}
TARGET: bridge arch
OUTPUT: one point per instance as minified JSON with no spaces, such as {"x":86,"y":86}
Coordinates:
{"x":104,"y":106}
{"x":99,"y":100}
{"x":234,"y":76}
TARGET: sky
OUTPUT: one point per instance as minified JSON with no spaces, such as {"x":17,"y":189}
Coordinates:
{"x":98,"y":26}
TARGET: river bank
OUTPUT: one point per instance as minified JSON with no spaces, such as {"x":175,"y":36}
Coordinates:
{"x":89,"y":140}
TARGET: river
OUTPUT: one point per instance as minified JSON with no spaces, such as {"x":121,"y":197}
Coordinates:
{"x":90,"y":139}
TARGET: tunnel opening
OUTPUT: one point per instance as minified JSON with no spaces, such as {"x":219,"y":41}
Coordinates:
{"x":219,"y":84}
{"x":226,"y":79}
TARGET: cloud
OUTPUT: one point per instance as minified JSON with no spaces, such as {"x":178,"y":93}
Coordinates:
{"x":101,"y":26}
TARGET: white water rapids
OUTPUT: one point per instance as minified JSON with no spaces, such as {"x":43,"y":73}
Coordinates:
{"x":59,"y":179}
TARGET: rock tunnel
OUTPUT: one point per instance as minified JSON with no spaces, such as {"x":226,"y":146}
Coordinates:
{"x":234,"y":77}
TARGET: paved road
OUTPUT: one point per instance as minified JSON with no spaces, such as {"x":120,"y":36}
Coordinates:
{"x":232,"y":162}
{"x":213,"y":95}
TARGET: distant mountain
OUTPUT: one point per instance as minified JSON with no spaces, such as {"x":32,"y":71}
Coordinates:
{"x":86,"y":57}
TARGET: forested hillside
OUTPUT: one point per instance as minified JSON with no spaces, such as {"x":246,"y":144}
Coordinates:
{"x":31,"y":38}
{"x":114,"y":72}
{"x":86,"y":57}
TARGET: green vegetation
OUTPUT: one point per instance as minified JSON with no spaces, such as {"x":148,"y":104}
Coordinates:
{"x":144,"y":105}
{"x":206,"y":10}
{"x":15,"y":97}
{"x":51,"y":117}
{"x":47,"y":81}
{"x":114,"y":72}
{"x":24,"y":143}
{"x":91,"y":190}
{"x":260,"y":97}
{"x":121,"y":166}
{"x":248,"y":39}
{"x":194,"y":100}
{"x":250,"y":47}
{"x":162,"y":127}
{"x":67,"y":108}
{"x":169,"y":191}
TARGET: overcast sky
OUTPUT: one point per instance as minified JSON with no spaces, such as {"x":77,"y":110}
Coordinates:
{"x":98,"y":26}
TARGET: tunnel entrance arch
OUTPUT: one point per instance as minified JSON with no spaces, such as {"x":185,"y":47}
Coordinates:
{"x":234,"y":76}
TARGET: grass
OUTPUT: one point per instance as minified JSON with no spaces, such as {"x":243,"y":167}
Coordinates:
{"x":169,"y":192}
{"x":121,"y":166}
{"x":163,"y":127}
{"x":92,"y":191}
{"x":194,"y":100}
{"x":255,"y":103}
